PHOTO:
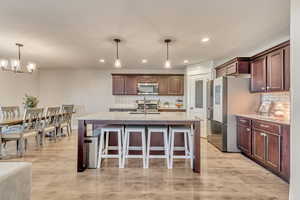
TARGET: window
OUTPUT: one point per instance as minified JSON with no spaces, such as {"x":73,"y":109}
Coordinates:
{"x":199,"y":94}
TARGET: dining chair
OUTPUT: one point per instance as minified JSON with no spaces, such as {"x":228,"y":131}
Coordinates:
{"x":66,"y":118}
{"x":31,"y":127}
{"x":9,"y":113}
{"x":51,"y":123}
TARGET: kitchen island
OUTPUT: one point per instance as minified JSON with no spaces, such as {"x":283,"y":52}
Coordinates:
{"x":125,"y":118}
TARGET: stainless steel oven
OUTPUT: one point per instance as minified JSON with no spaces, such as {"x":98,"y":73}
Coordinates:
{"x":147,"y":88}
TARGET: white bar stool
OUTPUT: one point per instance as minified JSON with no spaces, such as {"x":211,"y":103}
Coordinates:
{"x":188,"y":135}
{"x":104,"y":135}
{"x":164,"y":131}
{"x":127,"y":147}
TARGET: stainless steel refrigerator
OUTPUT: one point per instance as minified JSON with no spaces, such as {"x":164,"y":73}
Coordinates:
{"x":227,"y":96}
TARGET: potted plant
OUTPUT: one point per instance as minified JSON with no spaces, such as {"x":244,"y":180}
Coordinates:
{"x":30,"y":101}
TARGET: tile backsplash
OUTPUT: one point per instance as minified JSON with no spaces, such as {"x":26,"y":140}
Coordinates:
{"x":278,"y":98}
{"x":132,"y":99}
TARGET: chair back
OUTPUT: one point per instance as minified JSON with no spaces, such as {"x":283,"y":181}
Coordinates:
{"x":67,"y":112}
{"x":52,"y":116}
{"x":10,"y":112}
{"x":33,"y":119}
{"x":67,"y":108}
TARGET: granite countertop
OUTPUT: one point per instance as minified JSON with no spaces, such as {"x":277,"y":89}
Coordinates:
{"x":266,"y":118}
{"x":125,"y":116}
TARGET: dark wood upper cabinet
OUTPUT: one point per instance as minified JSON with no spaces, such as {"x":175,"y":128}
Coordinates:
{"x":118,"y":85}
{"x":287,"y":68}
{"x":221,"y":72}
{"x":259,"y":75}
{"x":131,"y":85}
{"x":169,"y":84}
{"x":176,"y":85}
{"x":236,"y":66}
{"x":275,"y":71}
{"x":270,"y":69}
{"x":163,"y":85}
{"x":147,"y":79}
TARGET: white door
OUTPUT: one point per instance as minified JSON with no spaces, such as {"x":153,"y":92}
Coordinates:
{"x":197,"y":100}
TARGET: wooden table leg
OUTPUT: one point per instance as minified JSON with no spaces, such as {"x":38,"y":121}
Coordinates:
{"x":197,"y":163}
{"x":81,"y":157}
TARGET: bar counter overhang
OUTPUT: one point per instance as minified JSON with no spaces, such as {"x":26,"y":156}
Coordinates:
{"x":124,"y":118}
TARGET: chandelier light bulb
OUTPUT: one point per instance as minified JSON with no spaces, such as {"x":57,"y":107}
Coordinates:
{"x":3,"y":64}
{"x":31,"y":67}
{"x":15,"y":65}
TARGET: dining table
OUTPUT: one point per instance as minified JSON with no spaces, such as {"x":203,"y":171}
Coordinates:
{"x":12,"y":122}
{"x":87,"y":122}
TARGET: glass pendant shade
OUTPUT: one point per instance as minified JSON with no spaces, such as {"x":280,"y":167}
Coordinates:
{"x":3,"y":64}
{"x":118,"y":63}
{"x":168,"y":64}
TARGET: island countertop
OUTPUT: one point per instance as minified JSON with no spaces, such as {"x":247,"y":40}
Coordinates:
{"x":126,"y":116}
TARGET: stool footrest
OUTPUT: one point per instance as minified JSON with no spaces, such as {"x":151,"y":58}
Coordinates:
{"x":134,"y":156}
{"x":158,"y":156}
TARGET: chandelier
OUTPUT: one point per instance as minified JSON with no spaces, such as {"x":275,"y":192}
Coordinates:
{"x":15,"y":65}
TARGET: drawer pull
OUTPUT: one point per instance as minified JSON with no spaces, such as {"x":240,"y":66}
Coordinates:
{"x":264,"y":126}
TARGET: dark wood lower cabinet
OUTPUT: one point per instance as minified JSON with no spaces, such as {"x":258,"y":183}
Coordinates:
{"x":268,"y":146}
{"x":244,"y":139}
{"x":273,"y":151}
{"x":259,"y":146}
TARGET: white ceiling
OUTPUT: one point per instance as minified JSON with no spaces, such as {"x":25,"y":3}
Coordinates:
{"x":77,"y":33}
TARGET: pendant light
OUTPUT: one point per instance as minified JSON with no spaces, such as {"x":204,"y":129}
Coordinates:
{"x":168,"y":62}
{"x":117,"y":60}
{"x":16,"y":64}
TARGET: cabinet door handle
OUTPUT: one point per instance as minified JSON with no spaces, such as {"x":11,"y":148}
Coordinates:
{"x":248,"y":129}
{"x":242,"y":120}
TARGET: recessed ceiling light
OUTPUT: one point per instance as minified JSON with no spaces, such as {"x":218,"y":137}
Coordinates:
{"x":102,"y":60}
{"x":185,"y":61}
{"x":206,"y":39}
{"x":144,"y":61}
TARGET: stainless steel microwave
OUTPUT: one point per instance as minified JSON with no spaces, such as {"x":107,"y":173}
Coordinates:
{"x":147,"y":88}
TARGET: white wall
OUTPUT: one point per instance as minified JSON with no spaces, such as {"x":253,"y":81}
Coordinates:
{"x":295,"y":96}
{"x":13,"y":87}
{"x":89,"y":89}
